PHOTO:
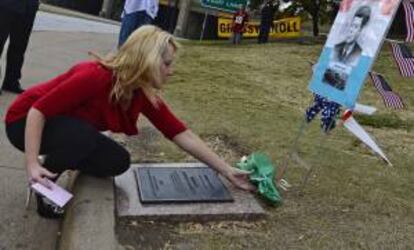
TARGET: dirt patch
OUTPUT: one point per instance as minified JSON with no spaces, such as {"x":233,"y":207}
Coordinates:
{"x":150,"y":147}
{"x":145,"y":234}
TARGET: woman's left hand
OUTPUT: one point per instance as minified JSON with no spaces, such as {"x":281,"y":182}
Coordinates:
{"x":240,"y":179}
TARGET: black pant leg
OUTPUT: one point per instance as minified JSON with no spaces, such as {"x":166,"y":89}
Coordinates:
{"x":265,"y":26}
{"x":65,"y":141}
{"x":6,"y":19}
{"x":261,"y":32}
{"x":108,"y":159}
{"x":70,"y":143}
{"x":20,"y":32}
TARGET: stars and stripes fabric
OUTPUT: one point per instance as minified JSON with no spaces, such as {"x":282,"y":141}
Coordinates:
{"x":319,"y":103}
{"x":404,"y":59}
{"x":329,"y":115}
{"x":329,"y":109}
{"x":390,"y":98}
{"x":409,"y":19}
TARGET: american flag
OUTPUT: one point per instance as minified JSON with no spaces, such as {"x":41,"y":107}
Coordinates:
{"x":328,"y":109}
{"x":409,"y":19}
{"x":403,"y":58}
{"x":390,"y":98}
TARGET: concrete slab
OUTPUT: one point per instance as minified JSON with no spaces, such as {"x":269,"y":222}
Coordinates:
{"x":128,"y":205}
{"x":48,"y":54}
{"x":22,"y":228}
{"x":53,"y":22}
{"x":9,"y":156}
{"x":89,"y":221}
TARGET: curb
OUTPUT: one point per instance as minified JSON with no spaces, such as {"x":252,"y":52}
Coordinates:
{"x":67,"y":12}
{"x":89,"y":221}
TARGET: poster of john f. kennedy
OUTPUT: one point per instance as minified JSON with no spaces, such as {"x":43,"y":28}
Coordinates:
{"x":351,"y":48}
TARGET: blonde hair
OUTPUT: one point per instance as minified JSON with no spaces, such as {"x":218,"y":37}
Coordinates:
{"x":137,"y":63}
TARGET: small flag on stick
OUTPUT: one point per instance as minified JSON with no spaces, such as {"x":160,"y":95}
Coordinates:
{"x":390,"y":98}
{"x":364,"y":109}
{"x":403,"y":58}
{"x":353,"y":126}
{"x":409,"y":19}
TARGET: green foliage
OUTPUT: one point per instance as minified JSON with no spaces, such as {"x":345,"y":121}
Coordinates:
{"x":320,"y":11}
{"x":117,"y":9}
{"x":384,"y":121}
{"x":255,"y":4}
{"x":310,"y":7}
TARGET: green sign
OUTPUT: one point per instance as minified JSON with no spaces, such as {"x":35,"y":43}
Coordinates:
{"x":223,"y":5}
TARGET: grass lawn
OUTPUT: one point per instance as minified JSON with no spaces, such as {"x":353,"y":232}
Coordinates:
{"x":252,"y":98}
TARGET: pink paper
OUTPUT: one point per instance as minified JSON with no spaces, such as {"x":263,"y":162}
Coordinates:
{"x":57,"y":194}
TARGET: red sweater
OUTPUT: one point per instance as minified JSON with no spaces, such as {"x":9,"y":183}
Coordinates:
{"x":83,"y":92}
{"x":240,"y":18}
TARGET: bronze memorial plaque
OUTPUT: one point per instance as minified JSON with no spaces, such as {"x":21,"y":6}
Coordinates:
{"x":180,"y":184}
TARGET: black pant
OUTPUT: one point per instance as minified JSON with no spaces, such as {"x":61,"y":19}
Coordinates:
{"x":264,"y":31}
{"x":70,"y":143}
{"x":18,"y":28}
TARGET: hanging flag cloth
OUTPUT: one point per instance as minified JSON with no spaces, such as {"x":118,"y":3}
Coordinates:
{"x":409,"y":19}
{"x":330,"y":111}
{"x":262,"y":175}
{"x":404,"y":59}
{"x":391,"y":98}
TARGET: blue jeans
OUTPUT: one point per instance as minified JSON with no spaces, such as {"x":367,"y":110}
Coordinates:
{"x":237,"y":37}
{"x":131,"y":22}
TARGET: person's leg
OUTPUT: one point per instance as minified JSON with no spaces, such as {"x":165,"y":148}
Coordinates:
{"x":70,"y":143}
{"x":266,"y":31}
{"x":128,"y":25}
{"x":19,"y":38}
{"x":260,"y":37}
{"x":238,"y":37}
{"x":131,"y":22}
{"x":5,"y":26}
{"x":146,"y":19}
{"x":108,"y":158}
{"x":143,"y":19}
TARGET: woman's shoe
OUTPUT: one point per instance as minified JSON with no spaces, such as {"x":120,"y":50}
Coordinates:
{"x":47,"y":209}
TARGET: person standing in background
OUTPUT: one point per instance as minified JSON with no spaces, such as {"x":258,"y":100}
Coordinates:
{"x":266,"y":20}
{"x":16,"y":23}
{"x":136,"y":13}
{"x":240,"y":20}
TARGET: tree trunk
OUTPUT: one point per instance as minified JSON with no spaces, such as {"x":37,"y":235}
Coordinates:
{"x":315,"y":17}
{"x":181,"y":26}
{"x":106,"y":10}
{"x":315,"y":25}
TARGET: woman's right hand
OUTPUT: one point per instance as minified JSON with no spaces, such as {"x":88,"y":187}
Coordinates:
{"x":39,"y":174}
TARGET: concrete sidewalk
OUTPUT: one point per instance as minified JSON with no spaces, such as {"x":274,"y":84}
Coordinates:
{"x":49,"y":53}
{"x":71,"y":13}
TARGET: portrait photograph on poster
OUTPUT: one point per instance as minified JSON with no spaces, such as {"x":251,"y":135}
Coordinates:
{"x":351,"y":48}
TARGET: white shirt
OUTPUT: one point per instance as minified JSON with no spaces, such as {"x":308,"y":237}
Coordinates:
{"x":150,"y":6}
